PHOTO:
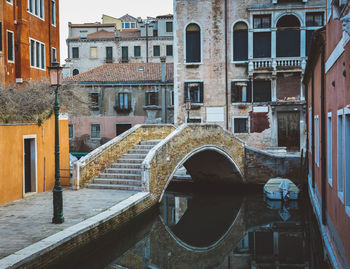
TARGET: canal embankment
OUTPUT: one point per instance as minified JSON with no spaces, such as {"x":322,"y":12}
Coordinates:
{"x":29,"y":239}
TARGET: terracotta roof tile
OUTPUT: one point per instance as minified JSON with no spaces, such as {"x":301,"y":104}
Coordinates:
{"x":130,"y":34}
{"x":125,"y":72}
{"x":166,"y":16}
{"x":101,"y":34}
{"x":100,"y":25}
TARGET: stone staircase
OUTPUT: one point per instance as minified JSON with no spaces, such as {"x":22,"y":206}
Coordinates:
{"x":125,"y":173}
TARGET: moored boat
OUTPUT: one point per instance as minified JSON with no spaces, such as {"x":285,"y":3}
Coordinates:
{"x":281,"y":189}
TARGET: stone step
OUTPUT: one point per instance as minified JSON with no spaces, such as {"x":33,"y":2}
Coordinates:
{"x":124,"y":181}
{"x":150,"y":142}
{"x":133,"y":156}
{"x":138,"y":151}
{"x":126,"y":166}
{"x":120,"y":176}
{"x":115,"y":187}
{"x":123,"y":171}
{"x":143,"y":147}
{"x":130,"y":161}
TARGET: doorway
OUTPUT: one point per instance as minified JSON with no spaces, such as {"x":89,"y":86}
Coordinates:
{"x":29,"y":165}
{"x":289,"y":130}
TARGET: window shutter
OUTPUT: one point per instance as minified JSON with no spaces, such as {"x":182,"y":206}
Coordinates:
{"x":99,"y":99}
{"x":146,"y":102}
{"x":157,"y":97}
{"x":117,"y":98}
{"x":129,"y":100}
{"x":201,"y":87}
{"x":185,"y":91}
{"x":233,"y":92}
{"x":249,"y":92}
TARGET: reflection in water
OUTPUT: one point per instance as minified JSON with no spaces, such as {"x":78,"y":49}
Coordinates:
{"x":211,"y":231}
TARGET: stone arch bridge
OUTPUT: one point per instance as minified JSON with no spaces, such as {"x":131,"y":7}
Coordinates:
{"x":208,"y":152}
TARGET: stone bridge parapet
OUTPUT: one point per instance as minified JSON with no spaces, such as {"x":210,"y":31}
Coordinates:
{"x":187,"y":140}
{"x":96,"y":161}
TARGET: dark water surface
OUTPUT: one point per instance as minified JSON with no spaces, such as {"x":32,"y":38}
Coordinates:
{"x":210,"y":229}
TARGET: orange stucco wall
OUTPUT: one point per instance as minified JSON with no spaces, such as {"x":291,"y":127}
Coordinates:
{"x":11,"y":157}
{"x":27,"y":26}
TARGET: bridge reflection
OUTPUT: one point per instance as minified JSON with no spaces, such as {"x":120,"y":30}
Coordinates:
{"x":221,"y":231}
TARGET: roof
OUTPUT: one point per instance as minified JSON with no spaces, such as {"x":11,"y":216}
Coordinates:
{"x":97,"y":35}
{"x":89,"y":25}
{"x":166,"y":16}
{"x":128,"y":18}
{"x":124,"y":73}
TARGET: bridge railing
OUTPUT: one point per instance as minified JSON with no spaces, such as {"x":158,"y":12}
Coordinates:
{"x":89,"y":167}
{"x":162,"y":161}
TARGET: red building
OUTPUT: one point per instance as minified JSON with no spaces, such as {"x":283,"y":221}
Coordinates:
{"x":327,"y":80}
{"x":29,"y":39}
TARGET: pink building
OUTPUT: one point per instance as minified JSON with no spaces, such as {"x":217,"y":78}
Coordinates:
{"x":327,"y":79}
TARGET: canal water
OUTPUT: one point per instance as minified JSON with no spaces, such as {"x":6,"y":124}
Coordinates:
{"x":206,"y":228}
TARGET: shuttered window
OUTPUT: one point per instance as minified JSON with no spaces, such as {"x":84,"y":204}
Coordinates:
{"x":156,"y":51}
{"x":262,"y":45}
{"x":241,"y":92}
{"x":194,"y":90}
{"x":10,"y":47}
{"x":53,"y":12}
{"x":288,"y":37}
{"x":151,"y":99}
{"x":0,"y":36}
{"x":137,"y":51}
{"x":240,"y":42}
{"x":93,"y":52}
{"x":193,"y":44}
{"x":75,"y":52}
{"x":240,"y":125}
{"x":123,"y":102}
{"x":261,"y":91}
{"x":169,"y":50}
{"x":169,"y":26}
{"x":95,"y":130}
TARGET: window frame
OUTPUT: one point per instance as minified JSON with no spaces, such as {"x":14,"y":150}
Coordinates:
{"x":314,"y":14}
{"x":317,"y":140}
{"x":347,"y":159}
{"x":261,"y":16}
{"x":41,"y":9}
{"x":148,"y":98}
{"x":154,"y":50}
{"x":233,"y":41}
{"x":53,"y":13}
{"x":91,"y":131}
{"x":171,"y":27}
{"x":248,"y":91}
{"x":329,"y":149}
{"x":77,"y":49}
{"x":13,"y":46}
{"x":9,"y":2}
{"x":200,"y":42}
{"x":1,"y":39}
{"x":71,"y":128}
{"x":53,"y":49}
{"x":167,"y":50}
{"x":137,"y":56}
{"x":41,"y":57}
{"x":92,"y":48}
{"x":200,"y":88}
{"x":125,"y":107}
{"x":247,"y":124}
{"x":340,"y":155}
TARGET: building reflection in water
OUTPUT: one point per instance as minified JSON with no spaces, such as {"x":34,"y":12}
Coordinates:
{"x":250,"y":233}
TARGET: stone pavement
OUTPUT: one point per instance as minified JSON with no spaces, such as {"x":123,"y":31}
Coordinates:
{"x":27,"y":221}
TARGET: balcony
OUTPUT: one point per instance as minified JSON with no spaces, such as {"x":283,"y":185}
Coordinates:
{"x":276,"y":64}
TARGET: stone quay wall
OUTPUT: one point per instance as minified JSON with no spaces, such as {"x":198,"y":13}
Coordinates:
{"x":98,"y":160}
{"x":261,"y":166}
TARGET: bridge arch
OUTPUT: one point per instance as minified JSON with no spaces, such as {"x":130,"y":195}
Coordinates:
{"x":188,"y":142}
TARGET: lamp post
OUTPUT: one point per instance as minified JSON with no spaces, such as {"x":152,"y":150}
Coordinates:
{"x":188,"y":107}
{"x":56,"y":80}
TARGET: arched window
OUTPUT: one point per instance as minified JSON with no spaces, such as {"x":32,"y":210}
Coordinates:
{"x":75,"y":72}
{"x":288,"y":37}
{"x":240,"y":42}
{"x":193,"y":43}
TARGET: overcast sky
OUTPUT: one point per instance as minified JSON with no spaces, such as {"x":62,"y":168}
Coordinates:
{"x":80,"y":11}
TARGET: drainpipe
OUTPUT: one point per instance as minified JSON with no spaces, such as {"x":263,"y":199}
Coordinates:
{"x":146,"y":41}
{"x":226,"y":67}
{"x":163,"y":80}
{"x":323,"y":137}
{"x":313,"y":127}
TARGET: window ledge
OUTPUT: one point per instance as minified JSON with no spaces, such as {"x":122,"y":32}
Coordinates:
{"x":95,"y":138}
{"x":341,"y":196}
{"x":347,"y":210}
{"x":240,"y":62}
{"x":152,"y":107}
{"x":170,"y":107}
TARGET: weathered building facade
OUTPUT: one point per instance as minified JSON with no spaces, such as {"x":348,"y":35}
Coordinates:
{"x":93,"y":44}
{"x":241,"y":63}
{"x":327,"y":82}
{"x":122,"y":95}
{"x":29,"y":40}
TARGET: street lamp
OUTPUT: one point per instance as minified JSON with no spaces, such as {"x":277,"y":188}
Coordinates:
{"x":188,"y":105}
{"x":56,"y":80}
